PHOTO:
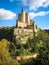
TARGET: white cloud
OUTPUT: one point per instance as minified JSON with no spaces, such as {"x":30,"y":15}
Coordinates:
{"x":11,"y":0}
{"x":33,"y":15}
{"x":6,"y":14}
{"x":46,"y":4}
{"x":34,"y":4}
{"x":25,"y":2}
{"x":18,"y":1}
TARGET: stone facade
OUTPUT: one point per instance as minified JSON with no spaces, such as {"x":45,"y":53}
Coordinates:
{"x":23,"y":21}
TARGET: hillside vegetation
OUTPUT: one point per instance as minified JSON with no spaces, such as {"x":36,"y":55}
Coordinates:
{"x":34,"y":52}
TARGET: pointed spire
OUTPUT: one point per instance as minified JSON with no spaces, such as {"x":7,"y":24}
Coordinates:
{"x":22,"y":9}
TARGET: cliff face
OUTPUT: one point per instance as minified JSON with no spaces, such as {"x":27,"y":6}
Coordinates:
{"x":22,"y":35}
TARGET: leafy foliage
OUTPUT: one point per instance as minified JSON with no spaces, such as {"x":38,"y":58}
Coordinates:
{"x":5,"y":58}
{"x":10,"y":48}
{"x":40,"y":45}
{"x":6,"y":33}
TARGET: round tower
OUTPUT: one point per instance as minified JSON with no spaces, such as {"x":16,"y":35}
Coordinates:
{"x":28,"y":20}
{"x":23,"y":15}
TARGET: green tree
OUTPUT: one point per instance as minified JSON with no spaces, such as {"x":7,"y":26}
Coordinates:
{"x":5,"y":58}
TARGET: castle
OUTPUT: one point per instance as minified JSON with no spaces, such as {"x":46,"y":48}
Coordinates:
{"x":25,"y":27}
{"x":24,"y":22}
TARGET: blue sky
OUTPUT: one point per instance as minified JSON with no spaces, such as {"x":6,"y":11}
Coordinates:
{"x":38,"y":11}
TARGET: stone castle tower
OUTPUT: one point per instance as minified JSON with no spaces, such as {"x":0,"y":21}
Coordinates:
{"x":23,"y":20}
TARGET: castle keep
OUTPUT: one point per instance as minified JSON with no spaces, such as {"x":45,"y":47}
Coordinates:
{"x":23,"y":21}
{"x":24,"y":27}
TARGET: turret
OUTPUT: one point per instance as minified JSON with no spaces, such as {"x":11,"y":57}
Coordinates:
{"x":28,"y":20}
{"x":23,"y":15}
{"x":22,"y":9}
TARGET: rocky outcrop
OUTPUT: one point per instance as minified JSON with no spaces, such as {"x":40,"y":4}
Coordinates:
{"x":19,"y":58}
{"x":22,"y":35}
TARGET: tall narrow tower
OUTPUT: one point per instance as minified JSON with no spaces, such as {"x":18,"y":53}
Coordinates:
{"x":28,"y":20}
{"x":23,"y":15}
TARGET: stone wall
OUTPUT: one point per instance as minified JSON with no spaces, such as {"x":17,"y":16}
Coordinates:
{"x":21,"y":24}
{"x":19,"y":30}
